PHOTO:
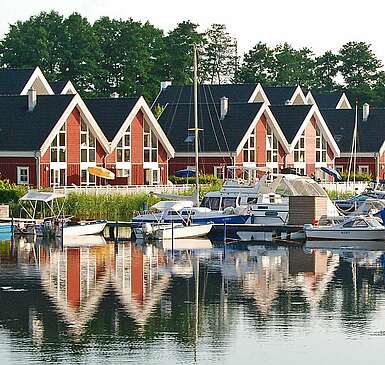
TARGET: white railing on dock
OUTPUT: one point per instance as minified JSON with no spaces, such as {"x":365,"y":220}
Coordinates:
{"x":344,"y":187}
{"x":124,"y":189}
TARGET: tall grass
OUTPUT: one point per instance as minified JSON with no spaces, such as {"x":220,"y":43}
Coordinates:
{"x":107,"y":206}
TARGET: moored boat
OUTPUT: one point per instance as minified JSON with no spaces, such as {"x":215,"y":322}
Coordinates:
{"x":354,"y":228}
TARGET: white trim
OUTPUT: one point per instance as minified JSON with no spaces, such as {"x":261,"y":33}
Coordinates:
{"x":320,"y":164}
{"x":58,"y":165}
{"x":68,"y":88}
{"x":18,"y":169}
{"x":150,"y":165}
{"x":298,"y":92}
{"x":18,"y":154}
{"x":150,"y":118}
{"x":258,"y":90}
{"x":359,"y":154}
{"x":274,"y":124}
{"x":123,"y":165}
{"x":343,"y":99}
{"x":360,"y":167}
{"x":314,"y":111}
{"x":76,"y":102}
{"x":203,"y":154}
{"x":35,"y":75}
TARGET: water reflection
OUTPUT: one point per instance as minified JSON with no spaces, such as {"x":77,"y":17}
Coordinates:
{"x":70,"y":302}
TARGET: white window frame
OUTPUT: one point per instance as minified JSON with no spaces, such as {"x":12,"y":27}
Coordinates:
{"x":320,"y":147}
{"x":88,"y":181}
{"x":221,"y":174}
{"x":250,"y":147}
{"x":55,"y":149}
{"x":339,"y":168}
{"x":272,"y":146}
{"x":88,"y":135}
{"x":123,"y":146}
{"x":57,"y":175}
{"x":148,"y":133}
{"x":19,"y":170}
{"x":300,"y":150}
{"x":363,"y":167}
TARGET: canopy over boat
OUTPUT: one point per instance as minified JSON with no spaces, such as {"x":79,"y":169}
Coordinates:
{"x":45,"y":197}
{"x":173,"y":205}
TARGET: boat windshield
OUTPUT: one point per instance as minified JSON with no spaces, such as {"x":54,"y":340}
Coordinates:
{"x":375,"y":223}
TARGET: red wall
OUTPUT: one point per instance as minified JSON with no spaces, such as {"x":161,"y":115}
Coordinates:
{"x":8,"y":168}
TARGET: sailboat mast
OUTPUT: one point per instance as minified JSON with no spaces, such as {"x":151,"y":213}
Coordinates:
{"x":196,"y":121}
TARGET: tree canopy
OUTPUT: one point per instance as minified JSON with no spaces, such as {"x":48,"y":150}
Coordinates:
{"x":130,"y":58}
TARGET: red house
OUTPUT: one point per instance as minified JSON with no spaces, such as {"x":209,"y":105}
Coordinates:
{"x":51,"y":140}
{"x":370,"y":155}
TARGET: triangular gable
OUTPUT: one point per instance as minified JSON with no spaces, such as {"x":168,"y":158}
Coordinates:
{"x":298,"y":97}
{"x":314,"y":111}
{"x":38,"y":82}
{"x":310,"y":98}
{"x":141,"y":105}
{"x":343,"y":103}
{"x":273,"y":123}
{"x":79,"y":103}
{"x":68,"y":88}
{"x":259,"y":95}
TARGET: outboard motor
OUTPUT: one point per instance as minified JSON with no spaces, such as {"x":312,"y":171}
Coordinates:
{"x":382,"y":215}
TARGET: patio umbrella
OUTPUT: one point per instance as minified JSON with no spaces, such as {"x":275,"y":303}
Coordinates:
{"x":185,"y":173}
{"x":332,"y":172}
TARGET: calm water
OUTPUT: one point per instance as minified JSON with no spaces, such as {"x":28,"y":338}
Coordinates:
{"x":246,"y":304}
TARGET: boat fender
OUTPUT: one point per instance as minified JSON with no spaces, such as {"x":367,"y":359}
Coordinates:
{"x":307,"y":226}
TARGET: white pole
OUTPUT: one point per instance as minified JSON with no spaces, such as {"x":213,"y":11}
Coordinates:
{"x":196,"y":122}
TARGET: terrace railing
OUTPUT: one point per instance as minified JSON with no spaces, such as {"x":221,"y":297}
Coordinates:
{"x":124,"y":189}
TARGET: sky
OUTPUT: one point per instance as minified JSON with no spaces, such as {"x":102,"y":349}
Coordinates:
{"x":320,"y":25}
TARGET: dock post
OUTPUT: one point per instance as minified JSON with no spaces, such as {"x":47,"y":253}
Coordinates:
{"x":172,"y":237}
{"x":117,"y":231}
{"x":12,"y":227}
{"x":224,"y":238}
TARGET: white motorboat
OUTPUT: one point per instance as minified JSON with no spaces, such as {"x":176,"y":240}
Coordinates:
{"x":161,"y":228}
{"x":177,"y":231}
{"x":354,"y":228}
{"x":82,"y":228}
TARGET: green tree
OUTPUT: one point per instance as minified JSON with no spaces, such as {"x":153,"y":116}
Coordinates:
{"x":326,"y":71}
{"x":219,"y":59}
{"x":37,"y":41}
{"x":178,"y":52}
{"x":80,"y":53}
{"x":257,"y":65}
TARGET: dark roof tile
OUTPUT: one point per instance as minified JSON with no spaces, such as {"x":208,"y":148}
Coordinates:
{"x":12,"y":81}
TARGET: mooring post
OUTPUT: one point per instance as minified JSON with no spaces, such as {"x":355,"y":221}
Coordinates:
{"x":12,"y":227}
{"x":117,"y":231}
{"x":224,"y":238}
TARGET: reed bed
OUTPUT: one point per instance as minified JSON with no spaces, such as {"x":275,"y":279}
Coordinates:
{"x":107,"y":206}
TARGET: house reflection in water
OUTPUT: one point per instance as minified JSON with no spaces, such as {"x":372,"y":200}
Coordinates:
{"x":76,"y":279}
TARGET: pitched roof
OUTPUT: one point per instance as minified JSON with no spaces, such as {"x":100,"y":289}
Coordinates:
{"x":278,"y":95}
{"x":217,"y":135}
{"x":12,"y":81}
{"x":110,"y":113}
{"x":23,"y":130}
{"x":236,"y":93}
{"x":341,"y":124}
{"x":58,"y":86}
{"x":290,"y":118}
{"x":327,"y":100}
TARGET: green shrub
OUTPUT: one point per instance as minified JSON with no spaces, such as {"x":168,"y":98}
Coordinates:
{"x":11,"y":193}
{"x":203,"y":179}
{"x":360,"y":176}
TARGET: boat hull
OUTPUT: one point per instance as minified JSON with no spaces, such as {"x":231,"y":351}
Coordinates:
{"x":5,"y":228}
{"x":84,"y":229}
{"x":183,"y":232}
{"x":345,"y":234}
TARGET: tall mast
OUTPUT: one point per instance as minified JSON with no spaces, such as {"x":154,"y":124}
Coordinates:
{"x":196,"y":122}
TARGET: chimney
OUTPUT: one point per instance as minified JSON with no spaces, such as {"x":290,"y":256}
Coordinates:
{"x":32,"y":99}
{"x":365,"y":112}
{"x":164,"y":85}
{"x":224,"y":107}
